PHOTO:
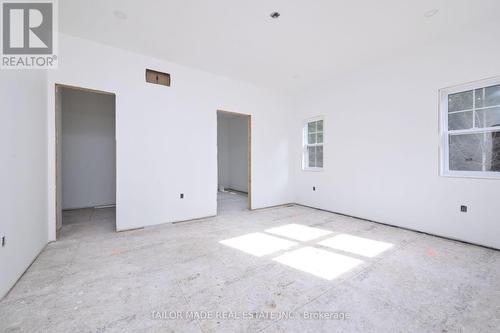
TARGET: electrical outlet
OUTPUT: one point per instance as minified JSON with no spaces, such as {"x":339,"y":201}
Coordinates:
{"x":463,"y":209}
{"x":182,"y":195}
{"x":3,"y":241}
{"x":314,"y":188}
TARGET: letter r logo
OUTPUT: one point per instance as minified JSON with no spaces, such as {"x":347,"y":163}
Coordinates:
{"x":27,"y":27}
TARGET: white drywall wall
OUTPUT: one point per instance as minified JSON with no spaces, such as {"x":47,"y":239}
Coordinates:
{"x":382,"y":140}
{"x":23,"y":140}
{"x":167,"y":136}
{"x":223,"y":150}
{"x":58,"y":115}
{"x":233,"y":151}
{"x":88,"y":149}
{"x":238,"y":153}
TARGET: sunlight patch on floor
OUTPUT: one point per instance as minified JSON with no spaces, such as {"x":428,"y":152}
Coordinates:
{"x":305,"y":255}
{"x":258,"y":244}
{"x":298,"y":232}
{"x":357,"y":245}
{"x":321,"y":263}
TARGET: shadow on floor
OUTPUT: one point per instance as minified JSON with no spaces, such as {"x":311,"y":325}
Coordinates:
{"x":230,"y":202}
{"x":88,"y":222}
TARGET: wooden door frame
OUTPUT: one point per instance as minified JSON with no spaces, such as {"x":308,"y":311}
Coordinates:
{"x":249,"y":145}
{"x":57,"y":136}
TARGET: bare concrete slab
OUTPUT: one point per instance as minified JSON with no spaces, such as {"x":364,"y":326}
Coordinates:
{"x":275,"y":270}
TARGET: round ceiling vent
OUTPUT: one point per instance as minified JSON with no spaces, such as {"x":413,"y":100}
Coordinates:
{"x":275,"y":15}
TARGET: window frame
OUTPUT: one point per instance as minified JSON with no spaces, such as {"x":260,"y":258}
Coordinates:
{"x":305,"y":144}
{"x":444,"y":132}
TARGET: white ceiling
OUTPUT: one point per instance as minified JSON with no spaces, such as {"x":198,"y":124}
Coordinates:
{"x":311,"y":41}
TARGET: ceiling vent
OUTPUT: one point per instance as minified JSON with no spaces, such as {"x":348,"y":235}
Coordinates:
{"x":275,"y":15}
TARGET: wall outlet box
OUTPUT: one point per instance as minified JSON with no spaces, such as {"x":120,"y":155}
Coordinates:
{"x":463,"y":209}
{"x":314,"y":188}
{"x":3,"y":241}
{"x":182,"y":195}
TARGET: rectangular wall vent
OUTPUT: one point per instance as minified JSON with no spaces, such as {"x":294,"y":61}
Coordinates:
{"x":157,"y":77}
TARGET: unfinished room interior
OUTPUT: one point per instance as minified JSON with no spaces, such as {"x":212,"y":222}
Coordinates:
{"x":250,"y":166}
{"x":85,"y":160}
{"x":232,"y":161}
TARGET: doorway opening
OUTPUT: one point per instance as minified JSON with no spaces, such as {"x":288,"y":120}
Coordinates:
{"x":85,"y":161}
{"x":234,"y":185}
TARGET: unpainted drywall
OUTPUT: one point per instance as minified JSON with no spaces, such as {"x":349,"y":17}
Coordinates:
{"x":88,"y":149}
{"x":382,"y":143}
{"x":58,"y":115}
{"x":23,"y":160}
{"x":222,"y":151}
{"x":232,"y":143}
{"x":167,"y":136}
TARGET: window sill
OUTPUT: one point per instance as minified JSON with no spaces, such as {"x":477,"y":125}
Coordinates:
{"x":473,"y":175}
{"x":313,"y":169}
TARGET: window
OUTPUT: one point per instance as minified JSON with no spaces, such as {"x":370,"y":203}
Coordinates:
{"x":313,"y":144}
{"x":470,"y":130}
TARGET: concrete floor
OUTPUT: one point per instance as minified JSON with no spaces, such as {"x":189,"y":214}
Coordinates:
{"x":231,"y":202}
{"x":287,"y":259}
